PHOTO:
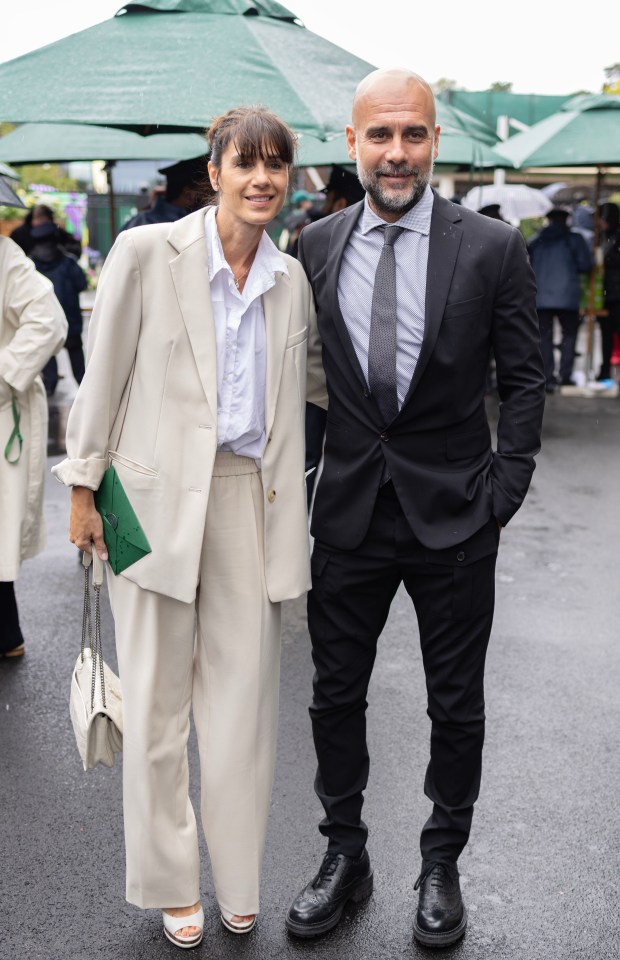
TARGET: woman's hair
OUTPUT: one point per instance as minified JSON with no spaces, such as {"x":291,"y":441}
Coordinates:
{"x":255,"y":132}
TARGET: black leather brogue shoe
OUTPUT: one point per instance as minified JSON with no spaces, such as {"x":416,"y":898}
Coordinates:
{"x":441,"y":918}
{"x":319,"y":906}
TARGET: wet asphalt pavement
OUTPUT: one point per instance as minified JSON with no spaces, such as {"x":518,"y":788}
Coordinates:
{"x":541,"y":873}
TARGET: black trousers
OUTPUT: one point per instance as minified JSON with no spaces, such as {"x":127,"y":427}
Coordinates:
{"x":453,"y":592}
{"x":73,"y":346}
{"x":569,"y":321}
{"x":10,"y":632}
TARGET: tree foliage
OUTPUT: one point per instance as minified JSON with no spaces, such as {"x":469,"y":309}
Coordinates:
{"x":443,"y":84}
{"x":47,"y":175}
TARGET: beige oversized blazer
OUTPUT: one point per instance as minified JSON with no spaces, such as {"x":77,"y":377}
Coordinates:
{"x":148,"y":405}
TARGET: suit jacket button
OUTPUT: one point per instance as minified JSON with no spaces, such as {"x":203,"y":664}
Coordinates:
{"x":460,"y":555}
{"x":366,"y":394}
{"x":271,"y":496}
{"x":384,"y":437}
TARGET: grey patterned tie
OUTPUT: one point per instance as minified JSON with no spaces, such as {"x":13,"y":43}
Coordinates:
{"x":382,"y":342}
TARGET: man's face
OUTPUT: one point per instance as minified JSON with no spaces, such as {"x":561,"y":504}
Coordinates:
{"x":394,"y":141}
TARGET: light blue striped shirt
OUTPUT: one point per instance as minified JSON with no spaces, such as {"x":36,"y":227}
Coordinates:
{"x":357,"y":277}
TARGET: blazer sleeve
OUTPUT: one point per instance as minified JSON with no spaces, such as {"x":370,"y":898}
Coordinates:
{"x":112,"y":344}
{"x":31,"y":308}
{"x":520,"y":380}
{"x":316,"y":388}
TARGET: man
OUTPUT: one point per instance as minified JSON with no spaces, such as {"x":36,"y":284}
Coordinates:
{"x":412,"y":292}
{"x":341,"y":190}
{"x":559,"y":256}
{"x":186,"y":185}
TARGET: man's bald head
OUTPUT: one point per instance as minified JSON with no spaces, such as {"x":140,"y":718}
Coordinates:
{"x":393,"y":139}
{"x":392,"y":85}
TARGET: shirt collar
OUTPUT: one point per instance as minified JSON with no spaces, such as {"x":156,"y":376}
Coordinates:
{"x":418,"y":218}
{"x":267,"y":262}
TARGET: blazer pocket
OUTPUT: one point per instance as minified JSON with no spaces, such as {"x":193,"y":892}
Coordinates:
{"x":296,"y":338}
{"x":462,"y":307}
{"x":134,"y":465}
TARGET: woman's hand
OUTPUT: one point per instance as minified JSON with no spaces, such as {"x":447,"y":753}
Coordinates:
{"x":85,"y":525}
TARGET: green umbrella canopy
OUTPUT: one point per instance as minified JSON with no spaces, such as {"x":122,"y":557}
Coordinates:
{"x":455,"y":150}
{"x":584,"y":132}
{"x":170,"y":65}
{"x":63,"y":142}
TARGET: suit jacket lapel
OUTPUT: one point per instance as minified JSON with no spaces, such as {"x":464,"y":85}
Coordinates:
{"x":277,"y":306}
{"x":190,"y":275}
{"x":343,"y":228}
{"x":444,"y":242}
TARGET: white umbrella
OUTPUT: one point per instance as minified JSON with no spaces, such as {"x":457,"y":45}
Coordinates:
{"x":516,"y":200}
{"x":8,"y":197}
{"x":6,"y":171}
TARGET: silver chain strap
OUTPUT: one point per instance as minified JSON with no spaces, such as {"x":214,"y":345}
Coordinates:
{"x":94,"y":643}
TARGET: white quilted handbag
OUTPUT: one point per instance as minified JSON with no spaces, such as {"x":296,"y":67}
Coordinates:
{"x":95,"y":702}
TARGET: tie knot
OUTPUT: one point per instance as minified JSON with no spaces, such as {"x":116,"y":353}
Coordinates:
{"x":391,"y":234}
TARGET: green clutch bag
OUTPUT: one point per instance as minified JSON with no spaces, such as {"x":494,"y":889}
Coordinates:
{"x":123,"y":535}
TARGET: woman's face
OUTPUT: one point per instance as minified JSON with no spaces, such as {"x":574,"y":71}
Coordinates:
{"x":251,"y":191}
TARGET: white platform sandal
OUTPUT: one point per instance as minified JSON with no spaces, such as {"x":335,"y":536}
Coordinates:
{"x":237,"y":926}
{"x":173,"y":924}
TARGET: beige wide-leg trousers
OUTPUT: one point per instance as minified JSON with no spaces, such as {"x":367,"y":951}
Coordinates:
{"x":219,"y":656}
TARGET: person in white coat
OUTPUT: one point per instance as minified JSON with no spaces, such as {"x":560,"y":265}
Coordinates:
{"x":194,"y":390}
{"x":32,"y":329}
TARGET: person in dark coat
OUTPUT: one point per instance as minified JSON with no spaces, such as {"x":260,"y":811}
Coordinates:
{"x":52,"y":260}
{"x":558,"y":256}
{"x":185,"y":187}
{"x":22,"y":236}
{"x":610,"y":325}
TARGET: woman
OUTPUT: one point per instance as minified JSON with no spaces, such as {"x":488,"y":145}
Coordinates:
{"x":194,"y":391}
{"x":32,"y":329}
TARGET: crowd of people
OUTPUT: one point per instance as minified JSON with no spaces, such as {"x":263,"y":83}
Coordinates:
{"x":207,"y":342}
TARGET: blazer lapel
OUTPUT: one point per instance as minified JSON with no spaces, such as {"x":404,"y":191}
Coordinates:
{"x":343,"y":228}
{"x":190,"y":275}
{"x":444,"y":242}
{"x":277,"y":307}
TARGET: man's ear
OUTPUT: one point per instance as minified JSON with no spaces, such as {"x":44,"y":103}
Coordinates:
{"x":350,"y":132}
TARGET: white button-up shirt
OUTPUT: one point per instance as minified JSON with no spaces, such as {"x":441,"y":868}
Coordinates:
{"x":241,"y":342}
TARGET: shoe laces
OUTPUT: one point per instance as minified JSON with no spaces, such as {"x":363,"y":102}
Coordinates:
{"x":327,"y":869}
{"x":440,"y":871}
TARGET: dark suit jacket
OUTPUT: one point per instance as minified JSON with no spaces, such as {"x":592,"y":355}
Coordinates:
{"x":480,"y":295}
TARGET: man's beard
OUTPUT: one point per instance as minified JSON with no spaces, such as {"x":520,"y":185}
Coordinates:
{"x":394,"y":202}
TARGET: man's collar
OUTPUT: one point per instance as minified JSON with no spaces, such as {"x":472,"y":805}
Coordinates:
{"x":418,"y":218}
